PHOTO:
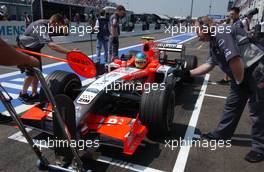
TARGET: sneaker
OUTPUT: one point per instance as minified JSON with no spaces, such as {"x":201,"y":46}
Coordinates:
{"x":34,"y":99}
{"x":5,"y":119}
{"x":223,"y":82}
{"x":254,"y":157}
{"x":209,"y":136}
{"x":24,"y":97}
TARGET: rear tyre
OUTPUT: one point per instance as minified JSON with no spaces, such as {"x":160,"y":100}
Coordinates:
{"x":157,"y":110}
{"x":62,"y":82}
{"x":191,"y":62}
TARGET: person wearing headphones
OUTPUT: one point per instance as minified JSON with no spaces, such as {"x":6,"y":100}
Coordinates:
{"x":14,"y":58}
{"x":247,"y":84}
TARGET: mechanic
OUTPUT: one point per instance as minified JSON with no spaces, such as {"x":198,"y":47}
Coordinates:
{"x":36,"y":36}
{"x":234,"y":14}
{"x":115,"y":31}
{"x":13,"y":58}
{"x":102,"y":41}
{"x":246,"y":84}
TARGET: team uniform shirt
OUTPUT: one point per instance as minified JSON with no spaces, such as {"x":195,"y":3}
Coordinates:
{"x":234,"y":43}
{"x":223,"y":49}
{"x":36,"y":35}
{"x":238,"y":23}
{"x":103,"y":26}
{"x":114,"y":22}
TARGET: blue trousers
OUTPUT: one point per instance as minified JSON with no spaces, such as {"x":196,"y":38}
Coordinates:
{"x":234,"y":107}
{"x":114,"y":47}
{"x":102,"y":59}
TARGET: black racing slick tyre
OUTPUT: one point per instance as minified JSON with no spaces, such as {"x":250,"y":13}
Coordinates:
{"x":191,"y":62}
{"x":67,"y":111}
{"x":62,"y":82}
{"x":157,"y":110}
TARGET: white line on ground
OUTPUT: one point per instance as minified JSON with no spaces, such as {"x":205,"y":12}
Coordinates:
{"x":14,"y":96}
{"x":22,"y":79}
{"x":104,"y":159}
{"x":18,"y":72}
{"x":18,"y":136}
{"x":215,"y":96}
{"x":126,"y":165}
{"x":8,"y":68}
{"x":189,"y":135}
{"x":19,"y":109}
{"x":14,"y":86}
{"x":18,"y":80}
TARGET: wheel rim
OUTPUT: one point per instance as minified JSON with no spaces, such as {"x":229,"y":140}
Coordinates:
{"x":69,"y":89}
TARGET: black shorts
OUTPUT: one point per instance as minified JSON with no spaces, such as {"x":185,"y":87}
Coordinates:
{"x":29,"y":72}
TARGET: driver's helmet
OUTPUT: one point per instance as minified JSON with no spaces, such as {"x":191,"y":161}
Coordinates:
{"x":141,"y":60}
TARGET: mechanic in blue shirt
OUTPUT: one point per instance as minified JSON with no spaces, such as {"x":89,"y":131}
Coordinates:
{"x":115,"y":31}
{"x":224,"y":52}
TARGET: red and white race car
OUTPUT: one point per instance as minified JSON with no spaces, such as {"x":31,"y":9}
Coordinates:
{"x":107,"y":110}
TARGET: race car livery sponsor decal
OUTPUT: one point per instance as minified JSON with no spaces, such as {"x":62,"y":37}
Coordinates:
{"x":101,"y":84}
{"x":163,"y":69}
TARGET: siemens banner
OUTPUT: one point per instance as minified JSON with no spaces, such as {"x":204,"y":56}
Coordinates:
{"x":10,"y":29}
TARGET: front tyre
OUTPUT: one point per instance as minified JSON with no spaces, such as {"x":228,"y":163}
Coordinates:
{"x":157,"y":110}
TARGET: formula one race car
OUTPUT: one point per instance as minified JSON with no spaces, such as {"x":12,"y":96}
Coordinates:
{"x":121,"y":106}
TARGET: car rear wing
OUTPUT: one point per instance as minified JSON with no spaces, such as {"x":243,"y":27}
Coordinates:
{"x":169,"y":47}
